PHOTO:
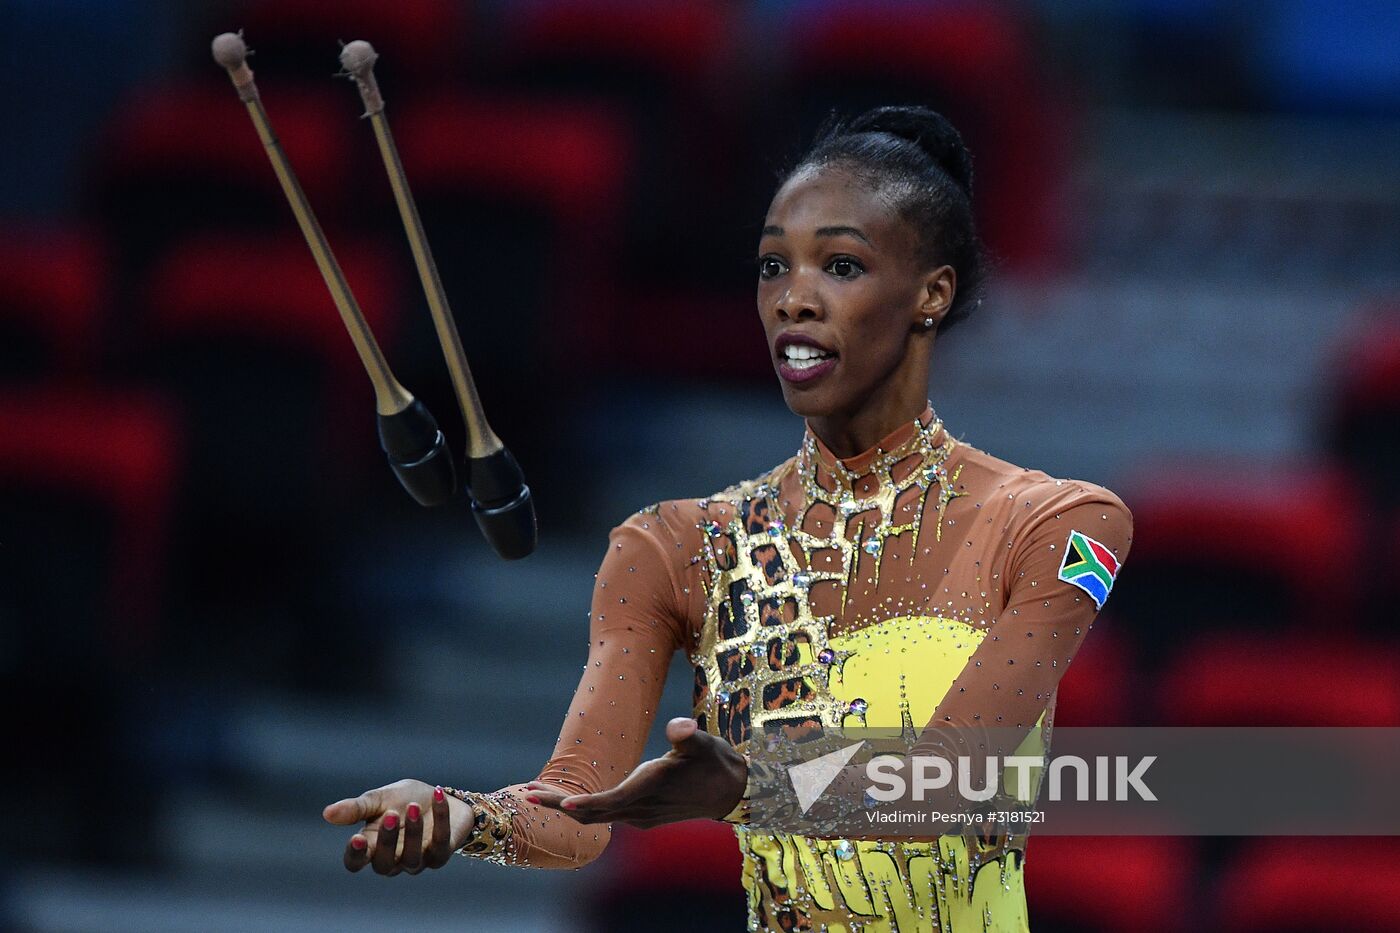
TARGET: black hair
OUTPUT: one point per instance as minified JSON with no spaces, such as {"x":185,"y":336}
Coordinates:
{"x":915,"y":157}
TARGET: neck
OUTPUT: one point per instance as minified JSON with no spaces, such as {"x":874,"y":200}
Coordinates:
{"x":848,"y":434}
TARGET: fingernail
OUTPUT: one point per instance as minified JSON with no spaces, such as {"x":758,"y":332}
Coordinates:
{"x":391,"y":821}
{"x":437,"y":794}
{"x":568,"y":804}
{"x":357,"y":843}
{"x":414,"y":812}
{"x":531,"y":798}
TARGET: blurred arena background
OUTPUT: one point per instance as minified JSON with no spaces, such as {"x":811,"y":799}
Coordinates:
{"x":220,"y":612}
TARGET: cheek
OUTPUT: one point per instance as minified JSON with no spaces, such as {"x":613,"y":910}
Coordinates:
{"x":765,"y":294}
{"x":878,"y":323}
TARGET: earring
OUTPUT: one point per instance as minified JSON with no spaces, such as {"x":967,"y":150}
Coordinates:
{"x":928,"y":323}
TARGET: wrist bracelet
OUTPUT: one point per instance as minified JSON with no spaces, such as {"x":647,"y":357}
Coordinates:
{"x":492,"y":834}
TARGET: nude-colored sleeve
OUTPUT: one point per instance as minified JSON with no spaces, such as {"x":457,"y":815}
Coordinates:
{"x":1007,"y":683}
{"x":1061,"y":570}
{"x":634,"y":628}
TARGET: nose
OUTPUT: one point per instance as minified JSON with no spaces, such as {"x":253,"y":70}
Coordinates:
{"x":800,"y":302}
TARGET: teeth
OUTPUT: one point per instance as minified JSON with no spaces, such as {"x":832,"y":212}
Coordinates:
{"x":807,"y":363}
{"x":797,"y":351}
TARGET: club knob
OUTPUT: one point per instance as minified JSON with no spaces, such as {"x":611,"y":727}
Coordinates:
{"x":418,"y":455}
{"x":501,"y":502}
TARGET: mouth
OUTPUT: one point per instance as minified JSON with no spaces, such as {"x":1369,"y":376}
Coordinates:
{"x":804,"y":361}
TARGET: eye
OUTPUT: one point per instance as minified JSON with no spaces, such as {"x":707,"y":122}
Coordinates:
{"x":770,"y":266}
{"x":845,"y":267}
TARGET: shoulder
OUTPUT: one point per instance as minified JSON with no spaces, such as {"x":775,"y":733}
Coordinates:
{"x":1043,"y":509}
{"x":1035,"y":492}
{"x":683,"y":524}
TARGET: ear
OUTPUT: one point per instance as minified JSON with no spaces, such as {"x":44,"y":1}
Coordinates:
{"x":939,"y":287}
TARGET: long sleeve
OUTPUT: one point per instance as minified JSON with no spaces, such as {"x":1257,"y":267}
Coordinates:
{"x":634,"y":627}
{"x":1061,"y":570}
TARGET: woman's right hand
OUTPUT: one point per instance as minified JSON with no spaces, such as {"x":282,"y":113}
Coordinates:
{"x":409,"y":826}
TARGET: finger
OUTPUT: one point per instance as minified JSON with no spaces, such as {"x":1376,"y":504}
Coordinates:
{"x":547,"y":797}
{"x":363,"y":808}
{"x":593,"y":815}
{"x":356,"y":852}
{"x":386,"y":848}
{"x":412,"y":858}
{"x":440,"y":846}
{"x":683,"y":734}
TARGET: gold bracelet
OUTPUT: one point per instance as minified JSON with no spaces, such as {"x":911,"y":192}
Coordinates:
{"x":494,"y":816}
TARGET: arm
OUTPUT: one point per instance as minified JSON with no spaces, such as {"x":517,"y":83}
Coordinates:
{"x":634,"y":627}
{"x":1008,"y":681}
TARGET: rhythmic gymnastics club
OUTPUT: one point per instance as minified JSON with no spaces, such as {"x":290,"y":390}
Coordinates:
{"x":500,"y":499}
{"x":408,"y":433}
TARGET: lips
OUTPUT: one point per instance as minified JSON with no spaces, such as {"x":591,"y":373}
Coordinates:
{"x":802,"y":358}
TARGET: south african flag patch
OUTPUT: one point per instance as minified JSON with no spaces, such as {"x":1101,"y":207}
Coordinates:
{"x":1089,"y":565}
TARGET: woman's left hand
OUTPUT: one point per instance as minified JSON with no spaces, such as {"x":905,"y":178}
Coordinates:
{"x":701,"y":777}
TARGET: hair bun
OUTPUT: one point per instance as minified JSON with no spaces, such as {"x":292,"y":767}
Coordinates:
{"x":927,"y":129}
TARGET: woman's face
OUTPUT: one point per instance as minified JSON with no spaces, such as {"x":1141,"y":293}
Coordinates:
{"x":843,"y":298}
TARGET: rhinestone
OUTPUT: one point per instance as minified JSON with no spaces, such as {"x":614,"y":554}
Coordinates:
{"x":859,"y":706}
{"x":802,"y":579}
{"x":714,"y":528}
{"x":746,"y":598}
{"x":826,"y":656}
{"x":722,"y":696}
{"x":845,"y":850}
{"x":872,"y":546}
{"x":776,"y":529}
{"x":849,"y":507}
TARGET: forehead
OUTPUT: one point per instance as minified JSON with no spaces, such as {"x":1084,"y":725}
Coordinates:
{"x":826,"y":196}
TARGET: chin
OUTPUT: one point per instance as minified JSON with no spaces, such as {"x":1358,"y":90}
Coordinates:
{"x":815,"y":402}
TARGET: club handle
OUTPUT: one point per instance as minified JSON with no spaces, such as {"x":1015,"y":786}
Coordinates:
{"x":418,"y":454}
{"x":502,"y":504}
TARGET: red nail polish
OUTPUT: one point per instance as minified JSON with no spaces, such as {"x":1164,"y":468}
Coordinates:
{"x":568,"y":804}
{"x":391,"y":822}
{"x":532,"y":799}
{"x":357,"y":843}
{"x":414,"y":812}
{"x":437,"y":794}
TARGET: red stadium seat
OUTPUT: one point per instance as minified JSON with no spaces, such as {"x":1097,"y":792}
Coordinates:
{"x":269,"y":289}
{"x":572,"y":160}
{"x":118,"y":453}
{"x":53,"y":292}
{"x":682,"y":40}
{"x":1089,"y":884}
{"x":242,"y":330}
{"x":669,"y":68}
{"x":1227,"y":545}
{"x":1290,"y":885}
{"x":970,"y":62}
{"x":416,"y":37}
{"x":1365,"y":413}
{"x":182,"y":160}
{"x":1095,"y":689}
{"x":650,"y":858}
{"x":167,"y":133}
{"x":531,"y":190}
{"x":1303,"y":680}
{"x":681,"y":876}
{"x":243,"y":335}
